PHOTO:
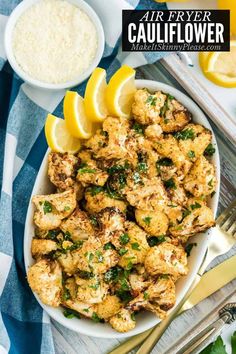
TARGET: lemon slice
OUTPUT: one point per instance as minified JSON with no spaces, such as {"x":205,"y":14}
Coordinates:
{"x":203,"y":56}
{"x":120,"y":92}
{"x":220,"y":67}
{"x":94,"y":98}
{"x":77,"y":122}
{"x":58,"y":136}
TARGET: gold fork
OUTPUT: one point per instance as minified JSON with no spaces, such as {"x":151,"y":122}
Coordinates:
{"x":223,"y":238}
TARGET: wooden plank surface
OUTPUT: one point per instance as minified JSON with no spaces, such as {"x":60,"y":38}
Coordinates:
{"x":69,"y":342}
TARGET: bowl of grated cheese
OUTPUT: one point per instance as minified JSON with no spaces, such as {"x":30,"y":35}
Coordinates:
{"x":54,"y":44}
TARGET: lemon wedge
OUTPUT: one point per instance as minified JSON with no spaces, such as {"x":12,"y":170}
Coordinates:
{"x":76,"y":120}
{"x":120,"y":92}
{"x":94,"y":98}
{"x":220,"y":67}
{"x":58,"y":137}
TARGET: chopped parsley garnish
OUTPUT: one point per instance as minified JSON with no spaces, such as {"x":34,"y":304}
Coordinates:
{"x":67,"y":236}
{"x":52,"y":234}
{"x":185,"y":134}
{"x":155,"y":240}
{"x":195,"y":206}
{"x":124,"y":295}
{"x":93,"y":220}
{"x":47,"y":207}
{"x":112,"y":275}
{"x":68,"y":313}
{"x":138,"y":128}
{"x":89,"y":256}
{"x":165,"y":161}
{"x":210,"y":183}
{"x":95,"y":286}
{"x":135,"y":246}
{"x":96,"y":318}
{"x":66,"y":294}
{"x":210,"y":150}
{"x":122,"y":251}
{"x":185,"y":213}
{"x":137,"y":178}
{"x":164,"y":276}
{"x":124,"y":239}
{"x":132,"y":316}
{"x":104,"y":133}
{"x":170,"y":184}
{"x":99,"y":256}
{"x":191,"y":154}
{"x":86,"y":310}
{"x":86,"y":170}
{"x":94,"y":190}
{"x":117,"y":168}
{"x":145,"y":295}
{"x":152,"y":99}
{"x":147,"y":220}
{"x":189,"y":247}
{"x":108,"y":246}
{"x":142,"y":167}
{"x":84,"y":274}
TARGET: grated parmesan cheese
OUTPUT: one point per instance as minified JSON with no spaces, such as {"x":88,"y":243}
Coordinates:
{"x":54,"y":41}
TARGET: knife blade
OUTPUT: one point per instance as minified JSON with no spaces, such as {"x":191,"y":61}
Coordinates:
{"x":209,"y":283}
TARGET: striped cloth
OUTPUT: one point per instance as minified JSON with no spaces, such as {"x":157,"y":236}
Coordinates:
{"x":24,"y":326}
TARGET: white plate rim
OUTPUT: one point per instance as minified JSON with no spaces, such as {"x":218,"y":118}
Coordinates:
{"x":104,"y":330}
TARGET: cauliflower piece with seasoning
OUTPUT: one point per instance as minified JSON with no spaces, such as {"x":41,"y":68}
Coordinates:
{"x":166,"y":259}
{"x":146,"y":194}
{"x":153,"y":222}
{"x":92,"y":290}
{"x":159,"y":297}
{"x":201,"y":179}
{"x":199,"y":218}
{"x":111,"y":222}
{"x":87,"y":310}
{"x":194,"y":147}
{"x":153,"y":132}
{"x":88,"y":172}
{"x":42,"y":247}
{"x":97,"y":141}
{"x":45,"y":278}
{"x":99,"y":199}
{"x":92,"y":257}
{"x":123,"y":321}
{"x":61,"y":169}
{"x":135,"y":250}
{"x":117,"y":129}
{"x":168,"y":147}
{"x":146,"y":106}
{"x":147,"y":159}
{"x":139,"y":282}
{"x":174,"y":116}
{"x":78,"y":225}
{"x":109,"y":307}
{"x":176,"y":192}
{"x":68,"y":261}
{"x":52,"y":208}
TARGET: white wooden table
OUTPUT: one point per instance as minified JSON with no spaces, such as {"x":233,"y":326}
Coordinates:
{"x":68,"y":342}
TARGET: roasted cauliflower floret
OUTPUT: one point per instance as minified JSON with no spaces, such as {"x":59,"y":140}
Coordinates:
{"x":92,"y":257}
{"x":139,"y":282}
{"x":146,"y":194}
{"x":78,"y":225}
{"x":123,"y":321}
{"x":117,"y":130}
{"x":153,"y":222}
{"x":42,"y":247}
{"x":135,"y":250}
{"x":168,"y":147}
{"x":45,"y":278}
{"x":88,"y":172}
{"x":166,"y":259}
{"x":159,"y":297}
{"x":111,"y":223}
{"x":52,"y":208}
{"x":92,"y":290}
{"x":87,"y":310}
{"x":176,"y":192}
{"x":146,"y":106}
{"x":195,"y":145}
{"x":97,"y":141}
{"x":153,"y":132}
{"x":98,"y":201}
{"x":201,"y":179}
{"x":199,"y":218}
{"x":61,"y":169}
{"x":174,"y":116}
{"x":109,"y":307}
{"x":68,"y":261}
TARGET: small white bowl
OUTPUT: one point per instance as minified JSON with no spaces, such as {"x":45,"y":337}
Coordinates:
{"x":18,"y":11}
{"x":145,"y":320}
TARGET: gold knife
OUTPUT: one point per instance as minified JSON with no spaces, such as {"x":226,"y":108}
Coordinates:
{"x":209,"y":283}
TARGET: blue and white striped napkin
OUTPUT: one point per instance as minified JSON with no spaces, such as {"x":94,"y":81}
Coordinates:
{"x":24,"y":326}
